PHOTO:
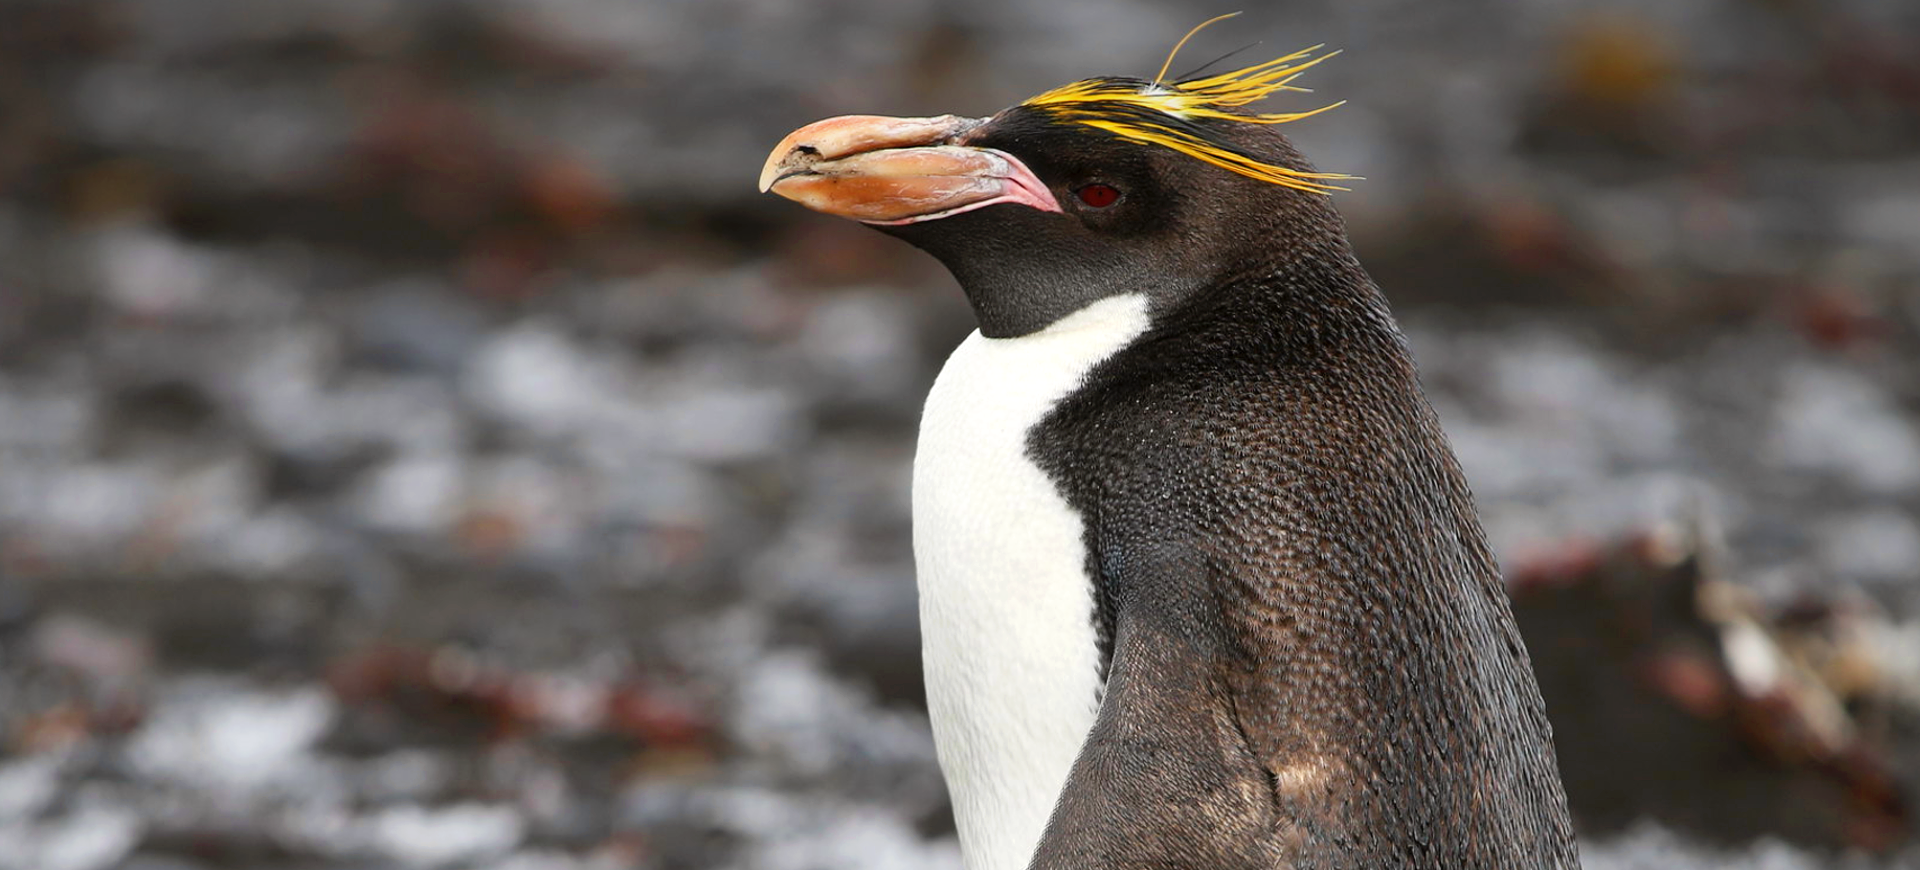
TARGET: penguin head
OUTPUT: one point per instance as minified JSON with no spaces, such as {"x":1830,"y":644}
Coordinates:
{"x":1099,"y":188}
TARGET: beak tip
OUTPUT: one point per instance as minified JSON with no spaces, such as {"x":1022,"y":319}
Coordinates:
{"x":770,"y":173}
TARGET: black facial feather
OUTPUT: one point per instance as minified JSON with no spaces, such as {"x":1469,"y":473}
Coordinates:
{"x":1181,"y":225}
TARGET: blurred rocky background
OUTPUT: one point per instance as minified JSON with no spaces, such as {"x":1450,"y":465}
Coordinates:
{"x":420,"y":447}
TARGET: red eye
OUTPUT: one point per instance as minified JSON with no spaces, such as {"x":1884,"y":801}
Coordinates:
{"x":1098,"y":195}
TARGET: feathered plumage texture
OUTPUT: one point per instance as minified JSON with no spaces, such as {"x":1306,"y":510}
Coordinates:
{"x":1169,"y":114}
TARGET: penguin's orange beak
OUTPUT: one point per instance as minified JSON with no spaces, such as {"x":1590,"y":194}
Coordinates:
{"x":897,"y":170}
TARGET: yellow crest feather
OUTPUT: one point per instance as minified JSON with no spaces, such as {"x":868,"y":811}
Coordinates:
{"x":1160,"y":113}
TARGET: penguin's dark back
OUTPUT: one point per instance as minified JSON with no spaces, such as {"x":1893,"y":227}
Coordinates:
{"x":1272,"y":434}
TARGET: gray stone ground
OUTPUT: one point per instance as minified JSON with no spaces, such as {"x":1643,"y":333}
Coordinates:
{"x":420,"y":446}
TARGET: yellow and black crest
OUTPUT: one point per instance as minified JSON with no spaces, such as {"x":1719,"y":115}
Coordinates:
{"x":1166,"y":113}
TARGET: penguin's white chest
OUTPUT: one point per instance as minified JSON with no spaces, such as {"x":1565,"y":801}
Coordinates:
{"x":1006,"y":603}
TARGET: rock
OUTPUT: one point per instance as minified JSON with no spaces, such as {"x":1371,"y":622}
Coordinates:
{"x":96,"y":834}
{"x":230,"y":739}
{"x":442,"y":836}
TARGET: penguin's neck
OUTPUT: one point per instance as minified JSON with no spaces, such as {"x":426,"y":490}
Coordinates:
{"x":1007,"y":613}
